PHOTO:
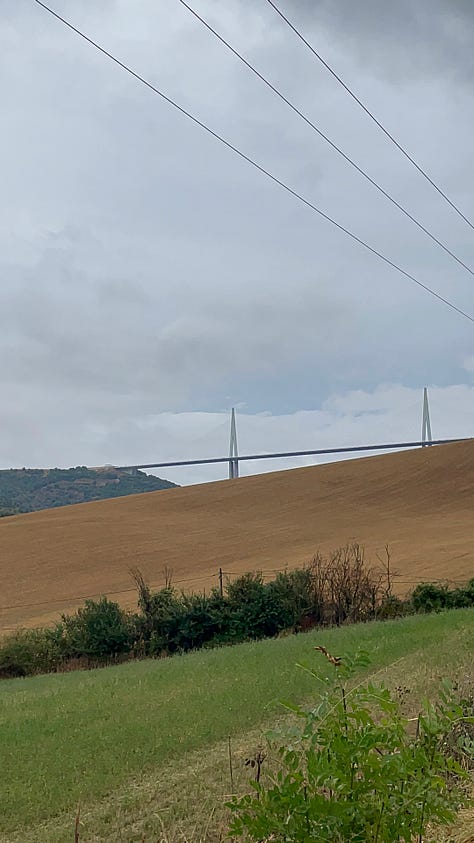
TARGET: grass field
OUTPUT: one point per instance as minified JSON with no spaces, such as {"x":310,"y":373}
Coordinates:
{"x":143,"y":747}
{"x":419,"y":502}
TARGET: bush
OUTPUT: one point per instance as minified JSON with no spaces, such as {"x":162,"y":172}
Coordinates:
{"x":98,"y":631}
{"x":250,"y":609}
{"x":17,"y":655}
{"x":201,"y":620}
{"x":295,"y":595}
{"x":428,"y":597}
{"x":459,"y":598}
{"x":254,"y":608}
{"x":29,"y":651}
{"x":160,"y":614}
{"x":352,"y":772}
{"x":393,"y":607}
{"x":351,"y":587}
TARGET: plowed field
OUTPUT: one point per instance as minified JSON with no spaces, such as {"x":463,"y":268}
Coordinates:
{"x":420,"y":503}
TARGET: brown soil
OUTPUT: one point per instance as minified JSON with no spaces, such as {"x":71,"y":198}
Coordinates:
{"x":420,"y":502}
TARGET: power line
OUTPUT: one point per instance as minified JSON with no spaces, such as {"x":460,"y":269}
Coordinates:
{"x":77,"y":597}
{"x":413,"y":581}
{"x":370,"y":113}
{"x":328,"y":140}
{"x":254,"y":164}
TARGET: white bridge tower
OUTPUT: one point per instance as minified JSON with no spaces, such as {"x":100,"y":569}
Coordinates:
{"x":233,"y":451}
{"x":426,"y":436}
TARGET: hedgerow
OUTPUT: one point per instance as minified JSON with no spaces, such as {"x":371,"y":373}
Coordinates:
{"x":337,"y":589}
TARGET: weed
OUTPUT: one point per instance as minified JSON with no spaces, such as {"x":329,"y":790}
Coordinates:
{"x":352,"y":772}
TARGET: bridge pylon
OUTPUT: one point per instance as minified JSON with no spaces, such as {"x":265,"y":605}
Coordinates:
{"x":426,"y":435}
{"x":233,"y":450}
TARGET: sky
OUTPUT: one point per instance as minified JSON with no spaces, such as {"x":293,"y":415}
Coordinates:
{"x":150,"y":279}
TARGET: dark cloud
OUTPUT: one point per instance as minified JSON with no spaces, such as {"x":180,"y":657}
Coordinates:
{"x":144,"y":268}
{"x":398,"y":40}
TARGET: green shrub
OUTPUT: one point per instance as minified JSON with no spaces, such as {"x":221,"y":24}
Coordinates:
{"x":98,"y":631}
{"x":202,"y":619}
{"x":160,"y":616}
{"x":470,"y":591}
{"x":351,"y":771}
{"x":17,"y":655}
{"x":459,"y":598}
{"x":394,"y":607}
{"x":28,"y":651}
{"x":428,"y":597}
{"x":255,"y":608}
{"x":295,"y":595}
{"x":250,"y":609}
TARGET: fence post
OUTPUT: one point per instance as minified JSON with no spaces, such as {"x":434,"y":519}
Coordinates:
{"x":221,"y":582}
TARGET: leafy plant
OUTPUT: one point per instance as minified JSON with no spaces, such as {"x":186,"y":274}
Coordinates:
{"x":352,"y":772}
{"x":28,"y":651}
{"x":98,"y":630}
{"x":255,"y":610}
{"x":393,"y":607}
{"x":428,"y":597}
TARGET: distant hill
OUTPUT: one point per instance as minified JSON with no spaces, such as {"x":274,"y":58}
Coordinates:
{"x":28,"y":490}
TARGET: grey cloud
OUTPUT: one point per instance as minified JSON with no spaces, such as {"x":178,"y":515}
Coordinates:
{"x":114,"y":334}
{"x":400,"y":40}
{"x":145,"y":268}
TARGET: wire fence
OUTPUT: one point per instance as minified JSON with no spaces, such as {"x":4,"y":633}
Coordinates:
{"x":218,"y":579}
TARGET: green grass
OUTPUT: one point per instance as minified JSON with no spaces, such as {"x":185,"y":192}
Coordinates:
{"x":85,"y":737}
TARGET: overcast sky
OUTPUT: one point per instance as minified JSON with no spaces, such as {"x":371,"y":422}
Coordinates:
{"x":149,"y":279}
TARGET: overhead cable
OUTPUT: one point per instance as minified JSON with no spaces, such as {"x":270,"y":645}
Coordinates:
{"x":257,"y":166}
{"x":369,"y":113}
{"x":325,"y":137}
